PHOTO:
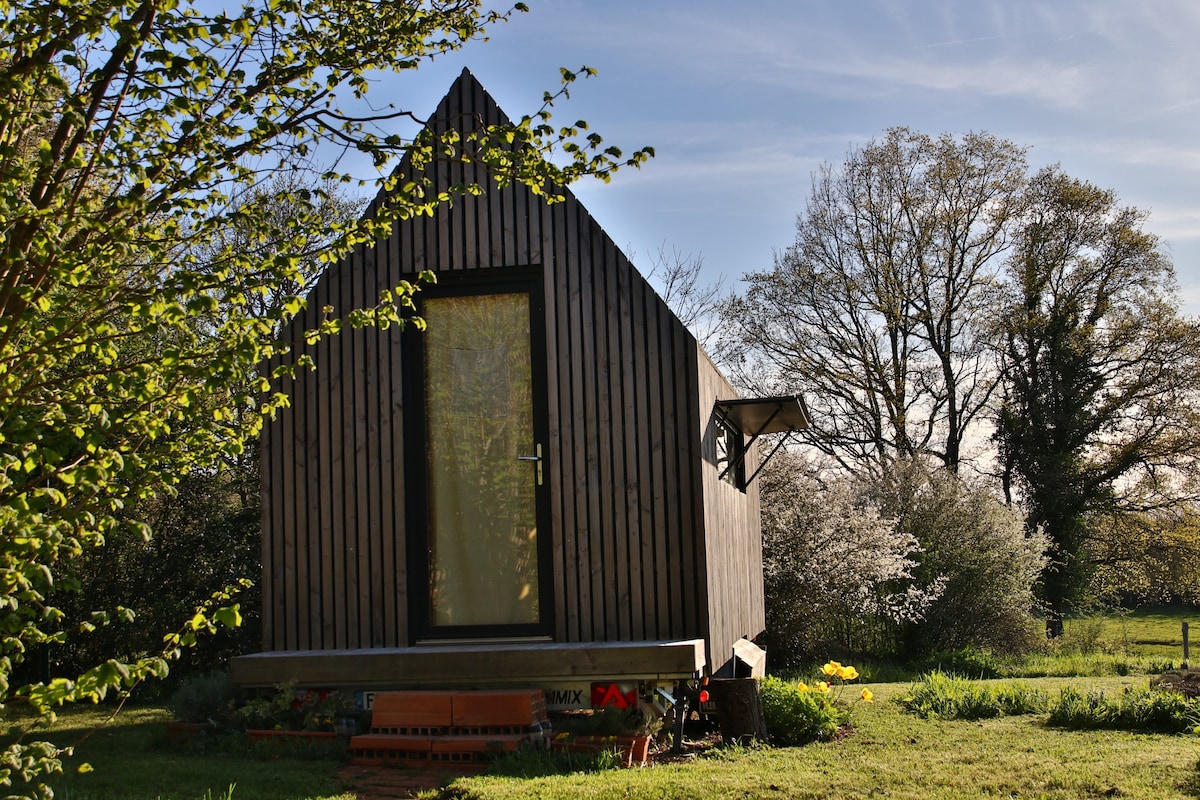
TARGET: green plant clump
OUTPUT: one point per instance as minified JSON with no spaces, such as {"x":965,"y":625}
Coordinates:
{"x":289,"y":709}
{"x":536,"y":762}
{"x":941,"y":696}
{"x":1140,"y":708}
{"x":796,"y":717}
{"x":973,"y":661}
{"x":609,"y":722}
{"x":204,"y":698}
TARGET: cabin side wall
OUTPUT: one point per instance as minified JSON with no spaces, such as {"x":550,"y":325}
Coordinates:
{"x":622,"y":467}
{"x":625,"y":494}
{"x":733,"y":535}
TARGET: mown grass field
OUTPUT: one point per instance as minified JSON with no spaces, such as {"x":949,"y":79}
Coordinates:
{"x":890,"y":754}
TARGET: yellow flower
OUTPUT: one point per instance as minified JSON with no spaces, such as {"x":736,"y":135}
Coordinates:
{"x":847,"y":673}
{"x":868,"y":696}
{"x":802,"y":687}
{"x":831,"y":668}
{"x":823,"y":686}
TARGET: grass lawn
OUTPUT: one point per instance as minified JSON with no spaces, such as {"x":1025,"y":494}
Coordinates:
{"x":891,"y":754}
{"x":895,"y":755}
{"x":1150,"y":631}
{"x":134,"y":760}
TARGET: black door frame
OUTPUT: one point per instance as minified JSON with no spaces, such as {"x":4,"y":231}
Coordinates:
{"x":527,"y":280}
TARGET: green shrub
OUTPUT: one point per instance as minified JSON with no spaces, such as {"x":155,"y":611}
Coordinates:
{"x":1141,"y":709}
{"x":969,"y":661}
{"x":206,"y":697}
{"x":292,"y":709}
{"x":797,"y":717}
{"x":978,"y":547}
{"x":1084,"y":636}
{"x":942,"y":696}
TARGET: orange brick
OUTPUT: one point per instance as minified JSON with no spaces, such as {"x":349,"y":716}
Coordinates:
{"x":478,"y":744}
{"x":497,"y":708}
{"x":412,"y":709}
{"x":374,"y":741}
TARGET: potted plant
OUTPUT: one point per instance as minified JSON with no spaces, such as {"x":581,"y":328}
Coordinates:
{"x":296,"y":714}
{"x":626,"y":731}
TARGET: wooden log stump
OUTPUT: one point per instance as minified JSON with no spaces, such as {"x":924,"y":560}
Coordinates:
{"x":739,"y":709}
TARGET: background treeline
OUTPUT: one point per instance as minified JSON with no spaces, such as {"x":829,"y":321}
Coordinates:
{"x":1003,"y":392}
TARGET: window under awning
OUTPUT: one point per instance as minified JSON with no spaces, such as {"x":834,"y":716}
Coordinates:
{"x":757,"y":416}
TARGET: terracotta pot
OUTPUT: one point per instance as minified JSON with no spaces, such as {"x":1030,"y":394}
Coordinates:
{"x":633,"y":749}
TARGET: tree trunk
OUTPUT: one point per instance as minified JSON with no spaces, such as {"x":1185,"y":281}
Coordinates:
{"x":739,"y":709}
{"x":1054,"y":624}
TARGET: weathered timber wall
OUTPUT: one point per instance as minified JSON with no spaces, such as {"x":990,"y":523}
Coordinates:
{"x":627,"y":417}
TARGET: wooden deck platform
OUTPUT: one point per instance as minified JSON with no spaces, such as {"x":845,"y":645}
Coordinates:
{"x":473,"y":665}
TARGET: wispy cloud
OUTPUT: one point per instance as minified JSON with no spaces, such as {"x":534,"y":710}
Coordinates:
{"x":744,"y":101}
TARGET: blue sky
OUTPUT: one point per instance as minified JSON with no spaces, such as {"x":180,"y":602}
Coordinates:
{"x":743,"y":101}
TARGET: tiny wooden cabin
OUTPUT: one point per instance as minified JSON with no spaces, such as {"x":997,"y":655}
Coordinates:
{"x":545,"y":484}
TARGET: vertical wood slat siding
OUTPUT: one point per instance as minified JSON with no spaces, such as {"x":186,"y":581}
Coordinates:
{"x":600,"y":520}
{"x":410,"y":250}
{"x":734,"y":558}
{"x":566,"y":591}
{"x":691,"y":495}
{"x":617,"y":314}
{"x":359,"y":570}
{"x":628,"y":518}
{"x":641,"y":433}
{"x":659,"y":588}
{"x":575,"y":445}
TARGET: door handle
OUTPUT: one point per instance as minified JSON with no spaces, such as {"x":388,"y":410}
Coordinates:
{"x":537,"y":459}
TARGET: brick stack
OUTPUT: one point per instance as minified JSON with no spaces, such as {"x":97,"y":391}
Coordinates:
{"x":419,"y":728}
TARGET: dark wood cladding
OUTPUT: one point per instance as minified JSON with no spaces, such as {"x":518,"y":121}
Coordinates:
{"x":630,"y":398}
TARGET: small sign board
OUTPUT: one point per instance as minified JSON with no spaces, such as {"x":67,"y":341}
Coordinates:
{"x":559,"y":697}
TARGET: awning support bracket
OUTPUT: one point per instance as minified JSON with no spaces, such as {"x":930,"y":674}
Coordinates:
{"x":792,"y":419}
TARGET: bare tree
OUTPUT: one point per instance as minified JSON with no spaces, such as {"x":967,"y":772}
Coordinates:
{"x":873,"y":314}
{"x":678,"y":280}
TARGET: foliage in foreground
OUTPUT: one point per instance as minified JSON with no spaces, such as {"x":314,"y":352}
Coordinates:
{"x":133,"y":138}
{"x":941,"y":696}
{"x":1142,"y":708}
{"x":799,"y":713}
{"x":797,"y":717}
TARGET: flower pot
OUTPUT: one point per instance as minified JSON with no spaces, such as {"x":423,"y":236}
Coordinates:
{"x":633,"y":749}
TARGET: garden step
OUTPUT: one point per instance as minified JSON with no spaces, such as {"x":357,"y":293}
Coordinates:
{"x":499,"y":708}
{"x":412,"y":709}
{"x":445,"y":752}
{"x":375,"y":741}
{"x":406,"y":713}
{"x":418,"y":729}
{"x":480,"y":744}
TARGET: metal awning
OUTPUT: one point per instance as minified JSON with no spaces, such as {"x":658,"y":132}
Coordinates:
{"x":759,"y":415}
{"x":756,"y":416}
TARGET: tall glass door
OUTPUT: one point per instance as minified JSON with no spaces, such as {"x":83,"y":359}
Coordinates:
{"x":483,"y":467}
